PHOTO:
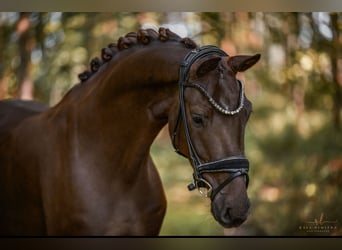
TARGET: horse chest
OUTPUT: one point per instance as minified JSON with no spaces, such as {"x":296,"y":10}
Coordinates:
{"x":94,"y":204}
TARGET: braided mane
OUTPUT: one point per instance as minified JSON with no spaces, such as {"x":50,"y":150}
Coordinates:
{"x":142,"y":36}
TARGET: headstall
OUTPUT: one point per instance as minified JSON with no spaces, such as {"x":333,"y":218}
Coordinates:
{"x":235,"y":165}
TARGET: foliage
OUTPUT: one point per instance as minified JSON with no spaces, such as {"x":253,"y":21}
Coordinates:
{"x":293,"y":139}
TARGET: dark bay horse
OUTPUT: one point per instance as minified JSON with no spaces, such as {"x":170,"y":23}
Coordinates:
{"x":83,"y":166}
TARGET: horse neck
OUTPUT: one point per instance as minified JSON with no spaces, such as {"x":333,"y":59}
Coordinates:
{"x":123,"y":106}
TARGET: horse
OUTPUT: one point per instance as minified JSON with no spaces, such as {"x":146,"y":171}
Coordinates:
{"x":83,"y":166}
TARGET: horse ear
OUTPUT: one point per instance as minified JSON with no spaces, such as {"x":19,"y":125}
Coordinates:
{"x":207,"y":66}
{"x":242,"y":63}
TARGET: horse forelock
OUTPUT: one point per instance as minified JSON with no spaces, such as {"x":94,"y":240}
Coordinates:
{"x":142,"y":36}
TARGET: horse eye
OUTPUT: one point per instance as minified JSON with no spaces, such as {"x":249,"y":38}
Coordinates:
{"x":197,"y":119}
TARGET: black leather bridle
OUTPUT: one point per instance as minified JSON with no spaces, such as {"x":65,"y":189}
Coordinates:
{"x":235,"y":165}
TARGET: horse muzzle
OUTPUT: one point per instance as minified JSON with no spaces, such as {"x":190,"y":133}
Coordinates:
{"x":231,"y":214}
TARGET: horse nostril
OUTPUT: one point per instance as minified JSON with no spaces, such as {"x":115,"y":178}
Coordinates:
{"x":231,"y":219}
{"x":226,"y":215}
{"x":231,"y":213}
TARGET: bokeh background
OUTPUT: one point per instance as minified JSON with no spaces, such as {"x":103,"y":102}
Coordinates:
{"x":293,"y":139}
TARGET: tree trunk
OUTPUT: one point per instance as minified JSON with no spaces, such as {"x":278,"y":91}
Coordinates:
{"x":25,"y":84}
{"x":336,"y":65}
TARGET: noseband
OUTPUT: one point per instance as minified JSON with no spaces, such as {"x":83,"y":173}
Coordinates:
{"x":235,"y":165}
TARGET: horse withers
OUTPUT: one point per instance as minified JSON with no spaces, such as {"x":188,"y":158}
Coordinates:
{"x":78,"y":168}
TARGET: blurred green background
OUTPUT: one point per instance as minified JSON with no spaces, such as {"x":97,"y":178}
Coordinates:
{"x":293,"y":139}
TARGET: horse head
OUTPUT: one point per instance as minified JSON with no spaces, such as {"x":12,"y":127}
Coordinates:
{"x":208,"y":126}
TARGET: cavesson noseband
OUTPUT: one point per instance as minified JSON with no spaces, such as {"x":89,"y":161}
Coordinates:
{"x":235,"y":165}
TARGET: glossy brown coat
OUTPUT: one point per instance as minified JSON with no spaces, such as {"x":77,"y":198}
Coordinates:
{"x":83,"y":166}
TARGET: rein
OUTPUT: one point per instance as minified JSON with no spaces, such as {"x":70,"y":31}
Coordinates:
{"x":235,"y":165}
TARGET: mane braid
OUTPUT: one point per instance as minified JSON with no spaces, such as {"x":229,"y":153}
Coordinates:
{"x":142,"y":36}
